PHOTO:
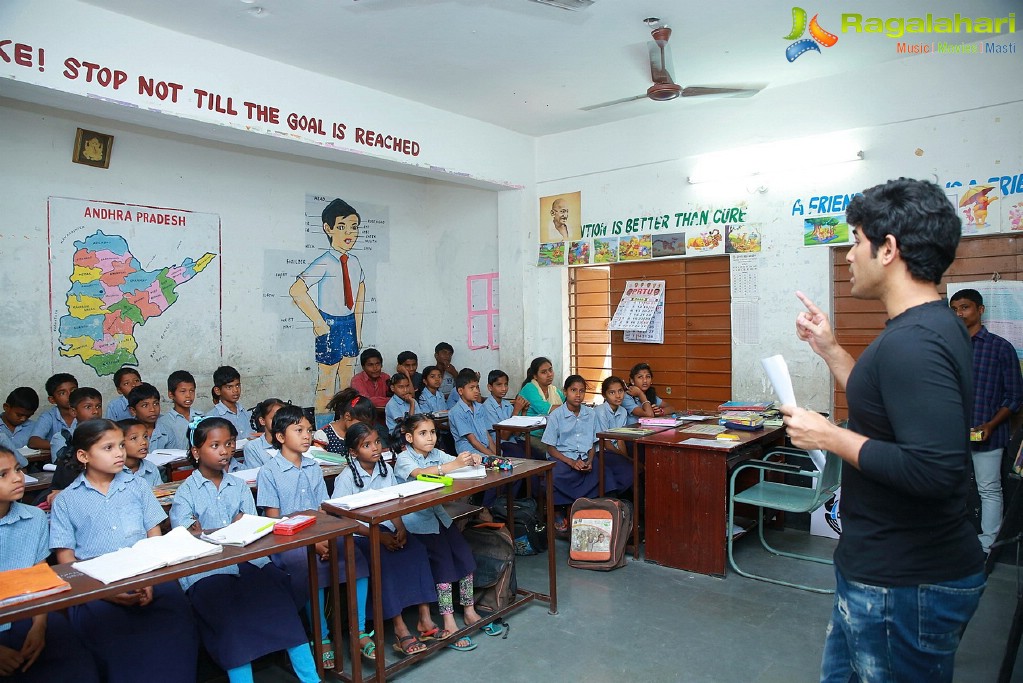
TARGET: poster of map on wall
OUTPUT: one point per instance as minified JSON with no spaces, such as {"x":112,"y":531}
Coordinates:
{"x":133,"y":285}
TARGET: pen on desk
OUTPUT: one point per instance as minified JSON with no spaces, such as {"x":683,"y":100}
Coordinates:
{"x":270,"y":525}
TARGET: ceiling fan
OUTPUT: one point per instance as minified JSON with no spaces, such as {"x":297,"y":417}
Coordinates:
{"x":664,"y":87}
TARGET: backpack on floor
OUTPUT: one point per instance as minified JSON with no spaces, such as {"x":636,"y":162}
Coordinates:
{"x":494,"y":579}
{"x":600,"y":532}
{"x":528,"y":530}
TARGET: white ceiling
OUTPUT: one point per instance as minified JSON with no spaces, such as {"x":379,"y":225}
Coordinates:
{"x":531,"y":67}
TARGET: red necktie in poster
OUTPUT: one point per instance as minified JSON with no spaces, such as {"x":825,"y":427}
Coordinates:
{"x":349,"y":299}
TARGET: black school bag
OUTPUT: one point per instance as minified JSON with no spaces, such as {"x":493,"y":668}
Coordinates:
{"x":528,"y":530}
{"x":494,"y":580}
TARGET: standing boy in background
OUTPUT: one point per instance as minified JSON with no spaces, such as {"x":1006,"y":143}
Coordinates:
{"x":58,"y":389}
{"x":174,"y":424}
{"x":227,"y":387}
{"x":125,"y":379}
{"x":16,"y":420}
{"x":331,"y":292}
{"x":997,"y":394}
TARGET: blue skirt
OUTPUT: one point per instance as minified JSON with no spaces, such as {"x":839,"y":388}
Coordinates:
{"x":241,"y":618}
{"x":450,"y":555}
{"x":293,"y":562}
{"x":405,"y":576}
{"x":570,"y":484}
{"x":617,"y":472}
{"x":64,"y":658}
{"x":157,"y":642}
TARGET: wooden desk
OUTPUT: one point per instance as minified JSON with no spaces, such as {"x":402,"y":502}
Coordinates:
{"x":44,"y":480}
{"x":330,"y":473}
{"x":374,"y":515}
{"x":327,"y":528}
{"x":686,"y":498}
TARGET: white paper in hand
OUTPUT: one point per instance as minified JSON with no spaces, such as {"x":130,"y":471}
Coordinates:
{"x":778,"y":372}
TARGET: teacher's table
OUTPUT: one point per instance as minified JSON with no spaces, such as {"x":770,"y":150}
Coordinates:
{"x":374,"y":515}
{"x":327,"y":528}
{"x":687,"y":495}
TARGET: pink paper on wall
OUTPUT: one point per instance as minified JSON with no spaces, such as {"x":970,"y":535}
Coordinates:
{"x":481,"y":298}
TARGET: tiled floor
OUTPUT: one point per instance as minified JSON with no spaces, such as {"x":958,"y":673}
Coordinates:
{"x":648,"y":623}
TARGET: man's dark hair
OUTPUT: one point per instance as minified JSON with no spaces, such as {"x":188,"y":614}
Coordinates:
{"x":406,"y":356}
{"x":968,"y":294}
{"x":179,"y":377}
{"x":141,"y":393}
{"x":58,"y":379}
{"x":82,"y":394}
{"x":25,"y":398}
{"x":338,"y":208}
{"x":369,"y":354}
{"x":918,"y":215}
{"x":225,"y":374}
{"x":443,"y":346}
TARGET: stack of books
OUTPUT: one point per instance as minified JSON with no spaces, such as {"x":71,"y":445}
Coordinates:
{"x":747,"y":422}
{"x":746,"y":406}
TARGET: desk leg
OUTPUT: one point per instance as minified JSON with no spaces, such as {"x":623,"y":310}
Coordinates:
{"x":314,"y":607}
{"x":335,"y":601}
{"x":635,"y":499}
{"x":353,"y":609}
{"x":378,"y":600}
{"x":552,"y":565}
{"x":600,"y":467}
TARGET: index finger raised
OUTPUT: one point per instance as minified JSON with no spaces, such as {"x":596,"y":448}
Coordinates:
{"x":810,"y":305}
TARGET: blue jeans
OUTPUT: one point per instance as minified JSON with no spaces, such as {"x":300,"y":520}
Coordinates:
{"x":903,"y":633}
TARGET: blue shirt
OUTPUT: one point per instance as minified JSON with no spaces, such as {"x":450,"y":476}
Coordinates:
{"x":118,"y":409}
{"x":199,"y":499}
{"x":175,"y":426}
{"x":148,"y":472}
{"x":242,"y":420}
{"x":288,"y":488}
{"x":452,"y":399}
{"x":447,"y":384}
{"x":463,"y":420}
{"x":20,"y":435}
{"x":255,"y":452}
{"x":344,"y":485}
{"x":92,"y":524}
{"x":571,"y":434}
{"x":996,"y":385}
{"x":605,"y":419}
{"x":50,"y":423}
{"x":426,"y":521}
{"x":24,"y":539}
{"x":630,"y":403}
{"x":496,"y":412}
{"x":6,"y":442}
{"x":395,"y":410}
{"x":430,"y":402}
{"x":159,"y":438}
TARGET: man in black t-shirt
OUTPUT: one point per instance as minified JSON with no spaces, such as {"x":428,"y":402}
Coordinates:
{"x":908,"y":567}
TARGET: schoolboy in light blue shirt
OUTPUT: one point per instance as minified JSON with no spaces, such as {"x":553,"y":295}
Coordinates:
{"x":125,"y":379}
{"x":58,"y":390}
{"x":497,"y":409}
{"x":174,"y":423}
{"x":227,"y":387}
{"x":257,"y":452}
{"x":16,"y":420}
{"x":467,"y":419}
{"x":144,"y":406}
{"x":86,"y":404}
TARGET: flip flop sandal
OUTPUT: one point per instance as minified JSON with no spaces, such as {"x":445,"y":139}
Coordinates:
{"x":462,"y":648}
{"x":408,"y":645}
{"x":493,"y":629}
{"x":429,"y":634}
{"x":328,"y":653}
{"x":369,"y":649}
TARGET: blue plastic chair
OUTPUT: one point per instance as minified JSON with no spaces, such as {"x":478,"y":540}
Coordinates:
{"x":776,"y":495}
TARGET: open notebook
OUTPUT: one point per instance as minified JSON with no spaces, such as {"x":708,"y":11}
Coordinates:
{"x":164,"y":456}
{"x":374,"y":496}
{"x":146,"y":555}
{"x":524,"y":421}
{"x":247,"y":529}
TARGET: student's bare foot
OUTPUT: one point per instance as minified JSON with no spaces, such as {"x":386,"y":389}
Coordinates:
{"x":470,"y":616}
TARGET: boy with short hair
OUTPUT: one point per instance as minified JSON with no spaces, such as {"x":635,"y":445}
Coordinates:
{"x":136,"y":448}
{"x":372,"y":381}
{"x":15,"y":421}
{"x":144,"y":405}
{"x":86,"y":404}
{"x":467,"y":419}
{"x":496,"y":409}
{"x":227,"y":389}
{"x":408,"y":363}
{"x":58,"y":390}
{"x":442,"y":354}
{"x":174,"y":423}
{"x":125,"y":379}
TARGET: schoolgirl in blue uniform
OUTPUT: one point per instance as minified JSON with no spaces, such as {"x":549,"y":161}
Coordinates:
{"x":404,"y":566}
{"x":569,"y":440}
{"x":44,"y":648}
{"x":288,"y":483}
{"x":244,"y":611}
{"x":609,"y":415}
{"x":349,"y":407}
{"x":431,"y":399}
{"x":255,"y":451}
{"x":450,"y":556}
{"x":641,"y":399}
{"x":103,"y":510}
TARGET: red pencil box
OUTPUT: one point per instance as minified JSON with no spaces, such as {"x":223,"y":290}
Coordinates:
{"x":290,"y":527}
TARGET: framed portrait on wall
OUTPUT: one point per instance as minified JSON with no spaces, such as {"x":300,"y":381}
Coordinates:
{"x":92,"y":148}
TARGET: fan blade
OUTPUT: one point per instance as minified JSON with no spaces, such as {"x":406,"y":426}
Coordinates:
{"x":613,"y":102}
{"x":660,"y":63}
{"x":701,"y":90}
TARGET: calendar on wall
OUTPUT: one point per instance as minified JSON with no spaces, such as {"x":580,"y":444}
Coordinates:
{"x":638,"y":306}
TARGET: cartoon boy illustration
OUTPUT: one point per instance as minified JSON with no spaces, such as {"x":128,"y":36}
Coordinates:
{"x":331,"y":292}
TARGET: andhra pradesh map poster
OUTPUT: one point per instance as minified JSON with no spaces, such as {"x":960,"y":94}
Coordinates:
{"x":133,"y":285}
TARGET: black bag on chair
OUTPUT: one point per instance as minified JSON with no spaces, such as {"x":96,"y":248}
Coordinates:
{"x":528,"y":529}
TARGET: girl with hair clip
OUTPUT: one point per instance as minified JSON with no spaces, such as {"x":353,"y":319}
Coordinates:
{"x":288,"y":483}
{"x":450,"y":556}
{"x":257,"y":451}
{"x":244,"y":611}
{"x":402,"y":402}
{"x":105,"y":509}
{"x":42,"y":648}
{"x":349,"y":407}
{"x":430,"y":398}
{"x":405,"y":577}
{"x":641,"y":399}
{"x":569,"y":438}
